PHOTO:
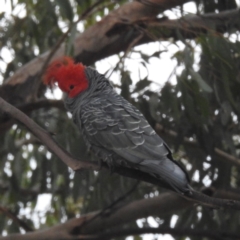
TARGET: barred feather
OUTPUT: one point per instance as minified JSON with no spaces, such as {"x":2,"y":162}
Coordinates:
{"x":114,"y":129}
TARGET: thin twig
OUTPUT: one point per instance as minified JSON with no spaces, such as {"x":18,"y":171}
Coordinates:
{"x":133,"y":43}
{"x":85,"y":14}
{"x":220,"y":153}
{"x":15,"y":219}
{"x":29,"y":107}
{"x":112,"y":207}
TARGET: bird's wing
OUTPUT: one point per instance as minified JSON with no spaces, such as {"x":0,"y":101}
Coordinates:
{"x":120,"y":128}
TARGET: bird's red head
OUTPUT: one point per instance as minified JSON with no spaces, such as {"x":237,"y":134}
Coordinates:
{"x":70,"y":76}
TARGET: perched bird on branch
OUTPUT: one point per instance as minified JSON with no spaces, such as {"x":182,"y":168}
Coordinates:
{"x":115,"y":130}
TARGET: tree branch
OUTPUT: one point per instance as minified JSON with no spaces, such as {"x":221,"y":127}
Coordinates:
{"x":76,"y":228}
{"x":166,"y":203}
{"x":218,"y":235}
{"x":191,"y":26}
{"x":93,"y":44}
{"x":219,"y":153}
{"x":96,"y":43}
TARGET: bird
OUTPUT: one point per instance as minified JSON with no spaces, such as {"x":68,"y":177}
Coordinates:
{"x":112,"y":128}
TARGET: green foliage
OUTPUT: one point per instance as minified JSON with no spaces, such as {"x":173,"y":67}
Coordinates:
{"x":202,"y":106}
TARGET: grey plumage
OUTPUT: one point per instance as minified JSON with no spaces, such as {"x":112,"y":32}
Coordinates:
{"x":118,"y":133}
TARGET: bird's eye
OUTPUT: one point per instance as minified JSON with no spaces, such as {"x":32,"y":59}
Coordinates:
{"x":71,"y":87}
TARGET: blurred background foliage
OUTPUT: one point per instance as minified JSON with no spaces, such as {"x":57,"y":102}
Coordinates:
{"x":200,"y":101}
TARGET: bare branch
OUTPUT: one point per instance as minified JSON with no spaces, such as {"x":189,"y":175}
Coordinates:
{"x":219,"y":153}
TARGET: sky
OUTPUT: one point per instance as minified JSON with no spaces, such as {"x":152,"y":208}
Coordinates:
{"x":159,"y":69}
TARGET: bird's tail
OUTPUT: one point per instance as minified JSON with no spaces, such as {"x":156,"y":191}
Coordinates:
{"x":168,"y":172}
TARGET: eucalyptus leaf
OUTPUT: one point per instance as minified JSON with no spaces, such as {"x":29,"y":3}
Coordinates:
{"x":69,"y":51}
{"x":202,"y":84}
{"x":65,"y":8}
{"x":140,"y":85}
